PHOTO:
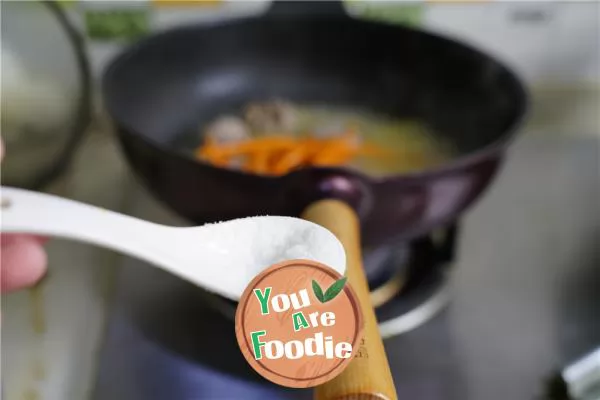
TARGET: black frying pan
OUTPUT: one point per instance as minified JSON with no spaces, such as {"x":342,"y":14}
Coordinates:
{"x":160,"y":89}
{"x":163,"y":87}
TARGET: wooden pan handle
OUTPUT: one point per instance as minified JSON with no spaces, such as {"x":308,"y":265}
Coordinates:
{"x":368,"y":376}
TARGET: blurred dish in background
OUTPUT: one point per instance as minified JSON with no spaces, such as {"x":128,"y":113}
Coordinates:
{"x":46,"y":99}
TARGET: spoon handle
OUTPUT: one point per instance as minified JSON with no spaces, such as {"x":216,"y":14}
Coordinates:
{"x":25,"y":211}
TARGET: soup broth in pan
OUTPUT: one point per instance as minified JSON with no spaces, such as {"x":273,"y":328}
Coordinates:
{"x":275,"y":138}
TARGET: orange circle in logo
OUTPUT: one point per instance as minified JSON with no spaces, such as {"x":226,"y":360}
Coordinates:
{"x":299,"y":323}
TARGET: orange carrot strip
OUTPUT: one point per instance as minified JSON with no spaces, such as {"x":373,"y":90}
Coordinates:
{"x":333,"y":155}
{"x":247,"y":147}
{"x":281,"y":154}
{"x":219,"y":161}
{"x":290,"y":160}
{"x":275,"y":156}
{"x":259,"y":163}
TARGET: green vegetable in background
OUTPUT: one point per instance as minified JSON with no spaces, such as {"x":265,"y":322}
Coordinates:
{"x":317,"y":290}
{"x":116,"y":24}
{"x":393,"y":12}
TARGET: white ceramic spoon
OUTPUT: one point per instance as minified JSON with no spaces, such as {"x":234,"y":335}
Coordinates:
{"x":221,"y":257}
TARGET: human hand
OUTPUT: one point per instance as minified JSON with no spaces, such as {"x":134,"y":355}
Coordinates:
{"x":23,"y":260}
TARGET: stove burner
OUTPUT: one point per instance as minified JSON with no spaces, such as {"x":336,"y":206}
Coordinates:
{"x":414,"y":305}
{"x":388,"y":290}
{"x":386,"y":262}
{"x":425,"y":290}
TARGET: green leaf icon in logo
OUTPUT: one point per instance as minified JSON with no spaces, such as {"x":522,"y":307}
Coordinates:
{"x":317,"y":290}
{"x":334,"y":290}
{"x":330,"y":293}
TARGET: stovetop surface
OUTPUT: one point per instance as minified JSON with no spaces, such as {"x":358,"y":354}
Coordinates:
{"x":524,"y":301}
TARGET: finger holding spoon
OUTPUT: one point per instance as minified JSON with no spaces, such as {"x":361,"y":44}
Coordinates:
{"x":23,"y":260}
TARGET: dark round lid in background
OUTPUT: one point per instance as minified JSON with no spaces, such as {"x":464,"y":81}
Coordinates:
{"x":46,"y":94}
